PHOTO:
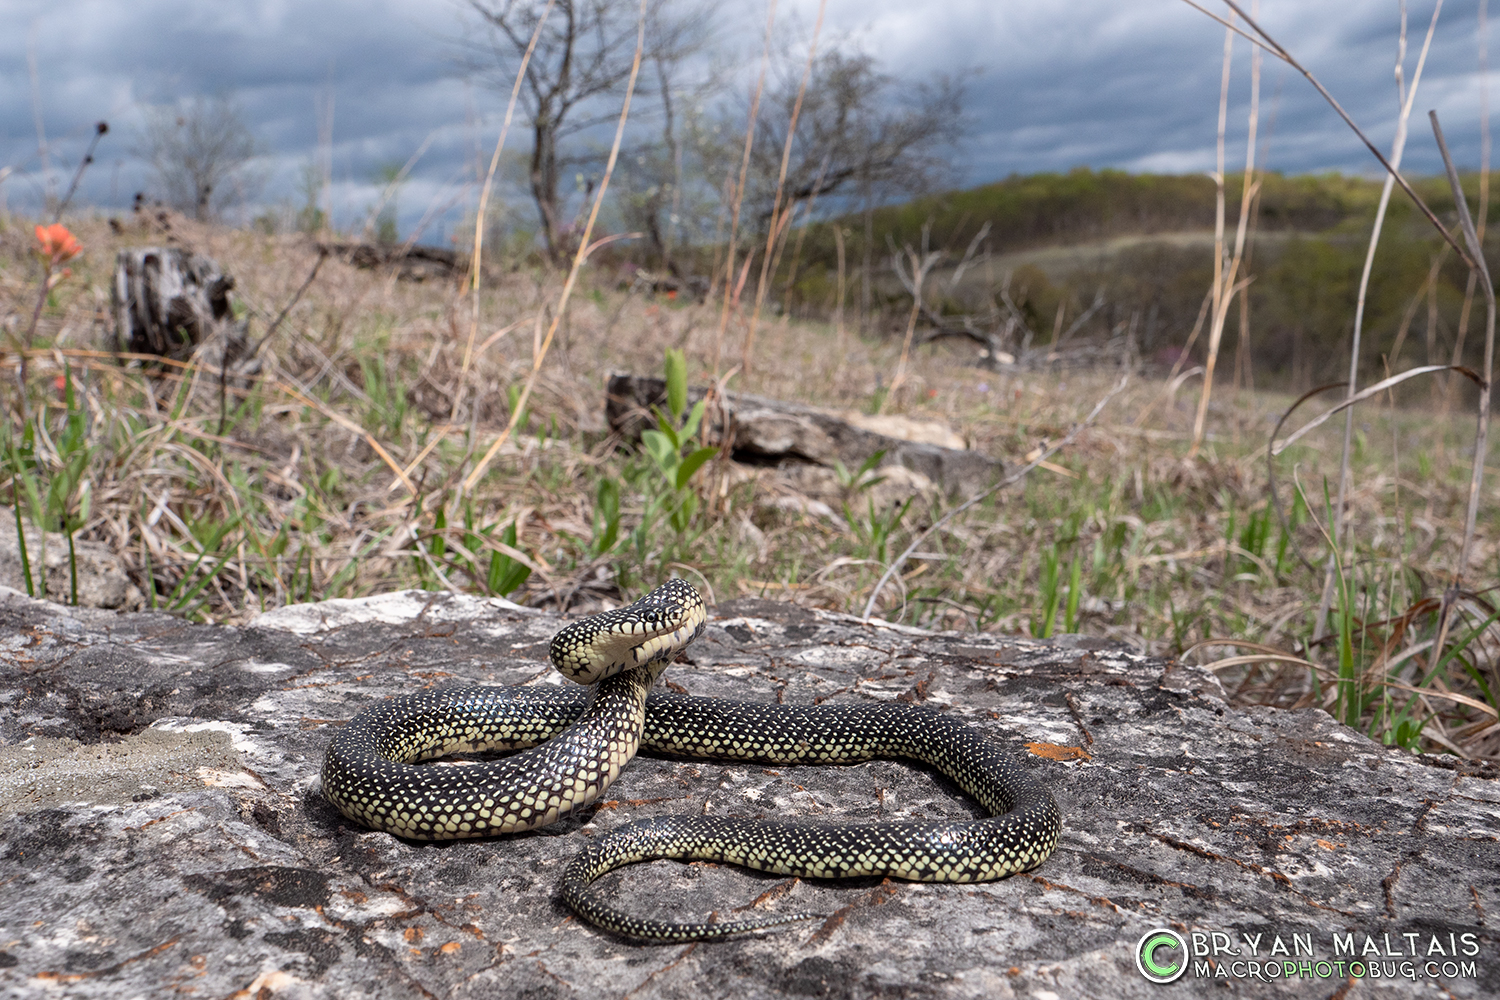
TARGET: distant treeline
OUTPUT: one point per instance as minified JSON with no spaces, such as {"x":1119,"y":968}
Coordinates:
{"x":1046,"y":209}
{"x":1312,"y":233}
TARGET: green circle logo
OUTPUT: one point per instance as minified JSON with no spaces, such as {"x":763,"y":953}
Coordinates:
{"x":1161,"y":955}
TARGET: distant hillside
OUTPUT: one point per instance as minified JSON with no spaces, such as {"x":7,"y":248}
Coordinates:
{"x":1145,"y":240}
{"x":1082,"y":205}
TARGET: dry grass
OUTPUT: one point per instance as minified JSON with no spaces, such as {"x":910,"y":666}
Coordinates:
{"x":1122,"y":535}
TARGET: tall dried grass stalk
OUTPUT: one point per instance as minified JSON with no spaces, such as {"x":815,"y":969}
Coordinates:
{"x":1224,"y":287}
{"x":1265,"y":41}
{"x":776,"y":231}
{"x":812,"y":204}
{"x":476,"y":259}
{"x":584,"y":249}
{"x":839,"y":292}
{"x":739,"y":192}
{"x":1481,"y":435}
{"x":1249,"y":209}
{"x":1471,"y":237}
{"x":1407,"y":97}
{"x":1450,"y":390}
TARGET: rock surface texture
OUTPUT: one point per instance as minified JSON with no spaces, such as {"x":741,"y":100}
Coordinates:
{"x":163,"y":831}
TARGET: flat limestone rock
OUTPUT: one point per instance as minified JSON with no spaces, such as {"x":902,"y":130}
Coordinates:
{"x":161,"y":828}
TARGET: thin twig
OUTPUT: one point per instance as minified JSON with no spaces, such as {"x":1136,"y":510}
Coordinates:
{"x":88,"y":157}
{"x":807,"y":214}
{"x":1363,"y":394}
{"x":1013,"y":478}
{"x":281,"y":317}
{"x":921,"y":264}
{"x":1484,"y":201}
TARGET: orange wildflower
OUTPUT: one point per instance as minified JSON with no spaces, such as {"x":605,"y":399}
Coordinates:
{"x":56,"y":242}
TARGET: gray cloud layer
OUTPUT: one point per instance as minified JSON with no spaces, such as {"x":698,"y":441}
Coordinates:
{"x":1104,"y":83}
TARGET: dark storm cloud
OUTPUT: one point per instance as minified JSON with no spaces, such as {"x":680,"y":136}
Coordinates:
{"x":1135,"y":84}
{"x":386,"y":66}
{"x":1051,"y":85}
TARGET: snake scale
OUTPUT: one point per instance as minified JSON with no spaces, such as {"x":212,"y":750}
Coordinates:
{"x":574,"y":742}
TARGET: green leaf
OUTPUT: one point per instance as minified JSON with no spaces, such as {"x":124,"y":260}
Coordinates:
{"x":662,"y":451}
{"x":607,"y":510}
{"x":513,"y":396}
{"x":667,"y":428}
{"x":179,"y":598}
{"x":513,"y":576}
{"x":869,"y":464}
{"x":676,"y":370}
{"x":692,"y":464}
{"x":1075,"y":594}
{"x":438,"y":544}
{"x":683,"y":515}
{"x":690,"y":428}
{"x":506,"y":574}
{"x":21,"y":538}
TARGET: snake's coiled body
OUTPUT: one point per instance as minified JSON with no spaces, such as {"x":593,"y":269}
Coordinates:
{"x":580,"y":739}
{"x":1019,"y":835}
{"x":367,"y":772}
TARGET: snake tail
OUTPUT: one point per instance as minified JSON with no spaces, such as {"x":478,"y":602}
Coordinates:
{"x":1020,"y":834}
{"x":649,"y":840}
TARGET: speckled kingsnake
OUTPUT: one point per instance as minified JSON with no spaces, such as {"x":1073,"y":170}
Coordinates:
{"x":579,"y":739}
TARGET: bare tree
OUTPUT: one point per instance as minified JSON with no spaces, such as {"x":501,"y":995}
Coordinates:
{"x":581,"y":63}
{"x":201,"y":150}
{"x":860,"y":127}
{"x":863,"y":137}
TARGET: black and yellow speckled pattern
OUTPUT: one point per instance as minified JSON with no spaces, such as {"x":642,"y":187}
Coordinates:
{"x":1021,"y":833}
{"x":368,"y":772}
{"x":577,"y":741}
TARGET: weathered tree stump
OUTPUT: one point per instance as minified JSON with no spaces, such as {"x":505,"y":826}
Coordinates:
{"x":168,"y":300}
{"x":161,"y":826}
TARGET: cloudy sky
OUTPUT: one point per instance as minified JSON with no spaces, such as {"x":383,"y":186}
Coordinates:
{"x":1053,"y":84}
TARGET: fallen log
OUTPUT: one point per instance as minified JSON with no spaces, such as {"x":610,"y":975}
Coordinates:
{"x":764,"y":431}
{"x":412,"y":263}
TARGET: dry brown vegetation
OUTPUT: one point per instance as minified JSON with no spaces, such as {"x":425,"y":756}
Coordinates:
{"x":338,"y":472}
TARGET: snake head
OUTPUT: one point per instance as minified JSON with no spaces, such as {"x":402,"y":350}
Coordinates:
{"x":652,"y":630}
